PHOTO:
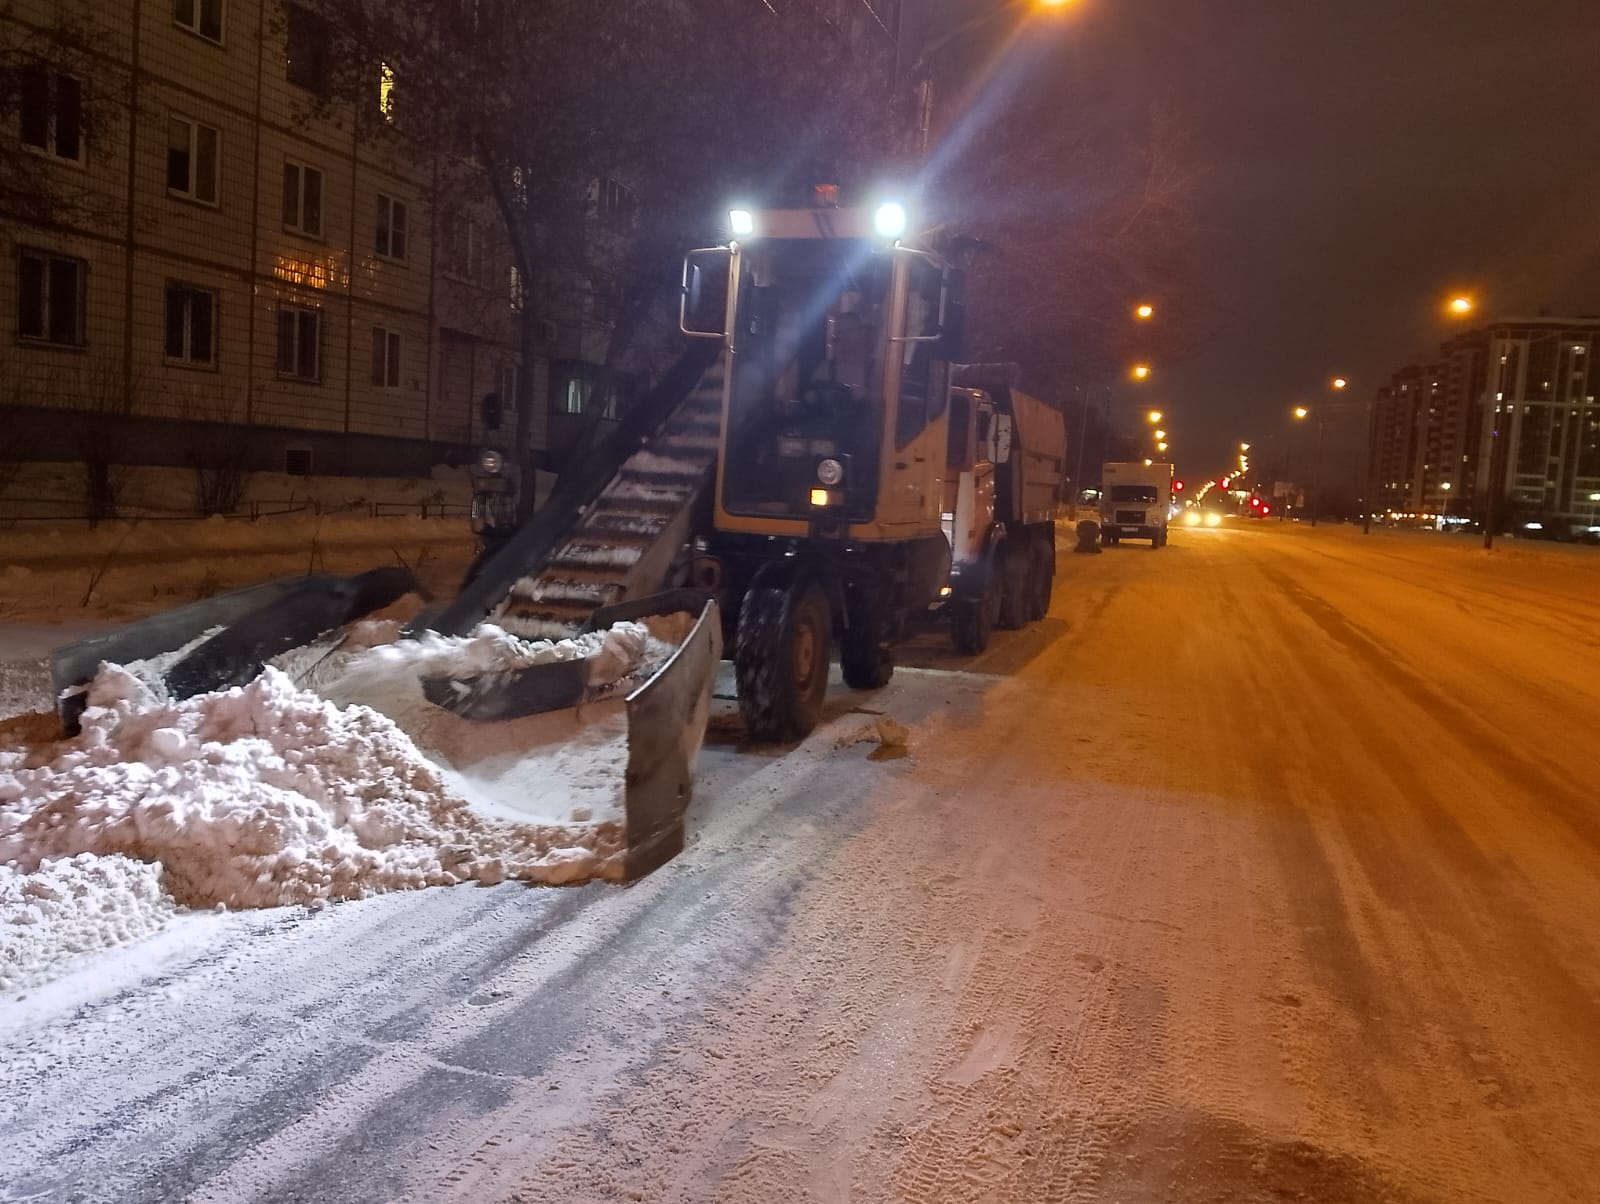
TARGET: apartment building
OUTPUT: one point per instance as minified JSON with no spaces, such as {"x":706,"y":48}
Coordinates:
{"x":233,"y":259}
{"x":1506,"y":410}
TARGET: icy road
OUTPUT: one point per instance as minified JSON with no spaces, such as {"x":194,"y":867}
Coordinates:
{"x":1267,"y":868}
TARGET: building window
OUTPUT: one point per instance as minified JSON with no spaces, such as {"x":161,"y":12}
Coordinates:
{"x":385,"y":358}
{"x":191,"y":324}
{"x":391,"y":239}
{"x":50,"y":297}
{"x":193,"y":161}
{"x":203,"y":17}
{"x":51,"y":110}
{"x":299,"y":343}
{"x":306,"y":49}
{"x":465,"y":245}
{"x":302,"y":199}
{"x":386,"y":91}
{"x":297,"y":461}
{"x":614,"y":204}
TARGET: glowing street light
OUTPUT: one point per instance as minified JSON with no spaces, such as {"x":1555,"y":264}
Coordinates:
{"x":1244,"y":447}
{"x":1301,"y":411}
{"x":1141,"y":371}
{"x":1461,"y":306}
{"x":1161,"y":434}
{"x":1145,"y":312}
{"x":1154,"y":416}
{"x":1340,"y":382}
{"x":1161,"y":447}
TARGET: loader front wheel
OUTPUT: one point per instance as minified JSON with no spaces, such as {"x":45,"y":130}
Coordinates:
{"x":781,"y":660}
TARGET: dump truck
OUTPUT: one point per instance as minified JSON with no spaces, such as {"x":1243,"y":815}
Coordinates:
{"x":1006,"y":468}
{"x":1135,"y":500}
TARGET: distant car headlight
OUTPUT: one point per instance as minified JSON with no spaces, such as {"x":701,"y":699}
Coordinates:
{"x":1213,"y":519}
{"x":1191,"y":518}
{"x":830,"y":472}
{"x":491,"y":461}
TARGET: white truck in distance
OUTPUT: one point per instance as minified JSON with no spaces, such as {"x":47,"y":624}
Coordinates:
{"x":1135,"y":499}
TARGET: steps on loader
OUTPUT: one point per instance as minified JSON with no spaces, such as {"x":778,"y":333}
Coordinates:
{"x":624,"y":531}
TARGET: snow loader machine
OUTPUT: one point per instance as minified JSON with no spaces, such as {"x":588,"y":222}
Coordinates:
{"x":781,"y":487}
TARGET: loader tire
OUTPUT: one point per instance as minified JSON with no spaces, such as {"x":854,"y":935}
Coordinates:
{"x":864,"y":655}
{"x":1042,"y":579}
{"x":1016,"y":572}
{"x":781,"y":660}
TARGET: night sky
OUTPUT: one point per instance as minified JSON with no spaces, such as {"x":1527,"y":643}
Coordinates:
{"x":1362,"y":159}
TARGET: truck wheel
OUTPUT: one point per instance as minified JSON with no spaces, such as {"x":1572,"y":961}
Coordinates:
{"x":1016,"y":574}
{"x":973,"y":618}
{"x":1042,"y":580}
{"x":781,"y":660}
{"x":864,"y":655}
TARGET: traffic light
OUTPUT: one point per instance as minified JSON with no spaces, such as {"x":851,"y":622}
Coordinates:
{"x":1177,"y":487}
{"x":1255,"y":503}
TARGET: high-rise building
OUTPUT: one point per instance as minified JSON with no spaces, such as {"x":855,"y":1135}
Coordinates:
{"x":1508,"y":411}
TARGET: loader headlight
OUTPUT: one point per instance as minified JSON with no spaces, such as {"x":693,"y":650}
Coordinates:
{"x":830,"y":472}
{"x":889,"y":221}
{"x":490,"y":461}
{"x":741,"y":223}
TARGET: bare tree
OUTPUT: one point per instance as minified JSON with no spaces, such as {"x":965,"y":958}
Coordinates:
{"x":534,"y":105}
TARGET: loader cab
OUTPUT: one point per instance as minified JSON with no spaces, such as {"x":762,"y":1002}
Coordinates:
{"x":838,"y":343}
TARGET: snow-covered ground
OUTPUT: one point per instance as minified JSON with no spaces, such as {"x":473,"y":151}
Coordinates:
{"x":1265,"y":868}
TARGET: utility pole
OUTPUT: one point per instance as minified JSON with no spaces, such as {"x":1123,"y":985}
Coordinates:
{"x":1316,"y":473}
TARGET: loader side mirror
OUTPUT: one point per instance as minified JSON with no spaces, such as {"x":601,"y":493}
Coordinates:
{"x":703,"y":305}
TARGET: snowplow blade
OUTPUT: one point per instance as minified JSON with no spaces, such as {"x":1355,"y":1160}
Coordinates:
{"x":666,"y":726}
{"x":256,"y":623}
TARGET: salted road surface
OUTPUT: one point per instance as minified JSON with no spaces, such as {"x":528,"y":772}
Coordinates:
{"x":1266,"y":868}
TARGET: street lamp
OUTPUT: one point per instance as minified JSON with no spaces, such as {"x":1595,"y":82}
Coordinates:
{"x":1288,"y":461}
{"x":1154,"y":416}
{"x":1340,"y":382}
{"x":1145,"y":312}
{"x":1161,"y":447}
{"x":921,"y":70}
{"x":1141,"y":371}
{"x":1161,"y":434}
{"x":1461,"y":306}
{"x":1244,"y":447}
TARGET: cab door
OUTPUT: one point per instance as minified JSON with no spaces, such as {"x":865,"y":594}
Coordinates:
{"x":917,"y":381}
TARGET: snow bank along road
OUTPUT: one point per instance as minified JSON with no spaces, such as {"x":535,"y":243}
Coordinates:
{"x":1266,"y":868}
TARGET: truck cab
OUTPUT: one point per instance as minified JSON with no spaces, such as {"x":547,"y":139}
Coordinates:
{"x":1135,"y":500}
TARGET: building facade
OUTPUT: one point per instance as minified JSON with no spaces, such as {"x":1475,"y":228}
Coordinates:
{"x":229,"y":255}
{"x":1508,"y":412}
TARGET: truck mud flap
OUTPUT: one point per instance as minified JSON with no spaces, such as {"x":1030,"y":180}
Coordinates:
{"x":257,"y":623}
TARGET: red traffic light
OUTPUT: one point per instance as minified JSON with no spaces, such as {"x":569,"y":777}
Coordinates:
{"x":1177,"y":487}
{"x":1255,"y":503}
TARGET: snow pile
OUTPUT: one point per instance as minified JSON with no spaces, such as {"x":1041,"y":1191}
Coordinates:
{"x":265,"y":795}
{"x":72,"y":906}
